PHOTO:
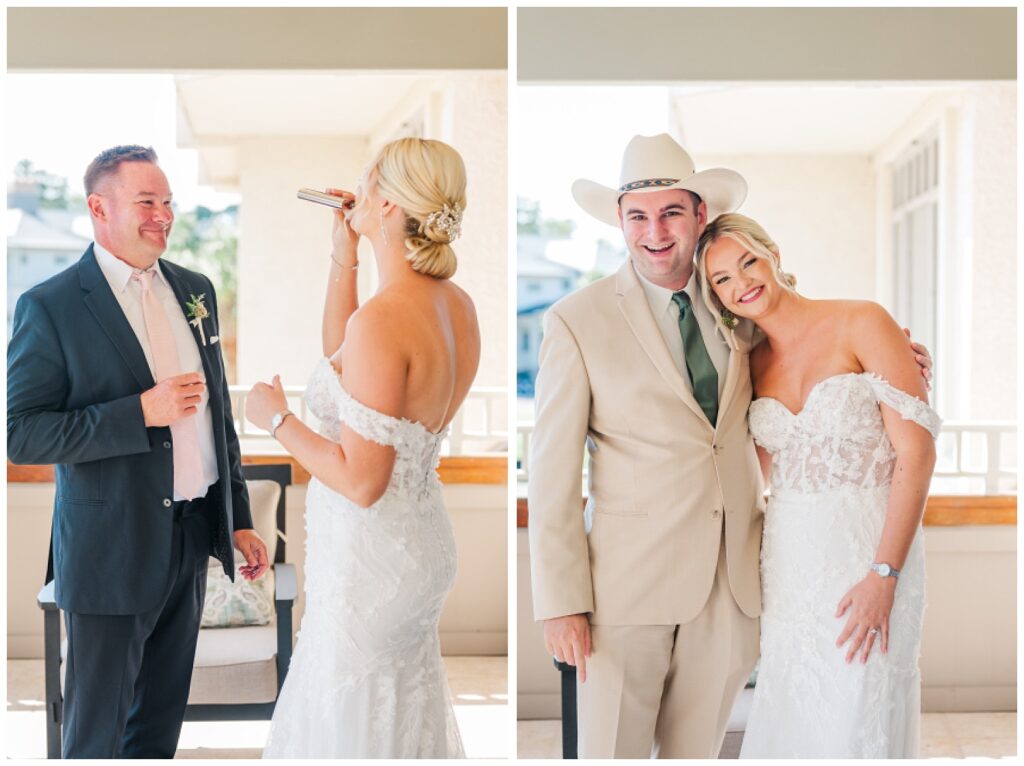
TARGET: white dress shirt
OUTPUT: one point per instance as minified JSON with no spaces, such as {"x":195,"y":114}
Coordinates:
{"x":128,"y":293}
{"x":666,"y":315}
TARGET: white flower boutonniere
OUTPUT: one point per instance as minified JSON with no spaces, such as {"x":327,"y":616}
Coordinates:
{"x":197,"y":312}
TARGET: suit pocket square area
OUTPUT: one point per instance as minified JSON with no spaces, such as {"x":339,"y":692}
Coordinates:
{"x":214,"y":339}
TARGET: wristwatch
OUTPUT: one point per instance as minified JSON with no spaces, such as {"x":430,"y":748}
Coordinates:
{"x":884,"y":570}
{"x":277,"y":420}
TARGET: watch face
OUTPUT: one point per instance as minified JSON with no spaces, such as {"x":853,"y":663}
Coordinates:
{"x":884,"y":569}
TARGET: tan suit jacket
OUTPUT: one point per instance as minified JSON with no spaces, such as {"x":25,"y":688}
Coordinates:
{"x":662,"y":480}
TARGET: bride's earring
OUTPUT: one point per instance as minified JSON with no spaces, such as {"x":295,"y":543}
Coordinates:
{"x":383,"y":231}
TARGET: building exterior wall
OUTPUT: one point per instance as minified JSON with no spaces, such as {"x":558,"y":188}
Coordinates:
{"x":820,"y":210}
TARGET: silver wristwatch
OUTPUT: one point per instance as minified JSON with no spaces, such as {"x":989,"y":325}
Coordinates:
{"x":277,"y":420}
{"x":884,"y":570}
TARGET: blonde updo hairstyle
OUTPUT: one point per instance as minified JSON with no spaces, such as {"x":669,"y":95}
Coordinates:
{"x":422,"y":176}
{"x":748,"y":233}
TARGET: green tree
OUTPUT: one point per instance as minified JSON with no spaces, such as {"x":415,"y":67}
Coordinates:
{"x":206,"y":241}
{"x":530,"y":220}
{"x":53,"y":190}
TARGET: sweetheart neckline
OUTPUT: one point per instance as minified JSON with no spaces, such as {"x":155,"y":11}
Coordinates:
{"x":811,"y":393}
{"x":337,"y":377}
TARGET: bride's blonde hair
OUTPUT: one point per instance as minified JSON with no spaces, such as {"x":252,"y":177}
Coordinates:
{"x":427,"y":179}
{"x":752,"y":236}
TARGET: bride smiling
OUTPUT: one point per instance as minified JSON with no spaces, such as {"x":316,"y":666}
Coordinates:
{"x":842,"y":424}
{"x":366,"y":679}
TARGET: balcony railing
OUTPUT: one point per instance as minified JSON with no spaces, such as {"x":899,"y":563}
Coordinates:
{"x":476,"y":429}
{"x":973,"y":458}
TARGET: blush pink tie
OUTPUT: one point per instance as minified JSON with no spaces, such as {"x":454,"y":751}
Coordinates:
{"x":188,"y":466}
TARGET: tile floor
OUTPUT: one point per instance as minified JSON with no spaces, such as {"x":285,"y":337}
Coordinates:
{"x":943,"y":735}
{"x":479,"y":692}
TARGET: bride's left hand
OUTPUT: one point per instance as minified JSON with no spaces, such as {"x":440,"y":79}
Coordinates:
{"x":264,"y":401}
{"x":869,"y":603}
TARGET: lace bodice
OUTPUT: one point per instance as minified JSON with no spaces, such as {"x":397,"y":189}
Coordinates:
{"x":838,"y":439}
{"x":417,"y":450}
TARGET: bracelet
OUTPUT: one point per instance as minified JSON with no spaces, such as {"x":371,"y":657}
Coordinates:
{"x":353,"y":267}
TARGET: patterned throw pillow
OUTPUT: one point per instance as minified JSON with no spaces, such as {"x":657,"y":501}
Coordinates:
{"x":230,"y":604}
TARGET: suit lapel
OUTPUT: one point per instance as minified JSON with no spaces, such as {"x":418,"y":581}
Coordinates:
{"x":637,"y":312}
{"x":101,"y":302}
{"x":739,"y":347}
{"x":183,"y":292}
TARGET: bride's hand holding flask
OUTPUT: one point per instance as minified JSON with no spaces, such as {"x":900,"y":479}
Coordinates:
{"x":343,"y":238}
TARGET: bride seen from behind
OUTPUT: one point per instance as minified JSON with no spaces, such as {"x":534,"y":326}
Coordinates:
{"x":366,"y":679}
{"x":842,"y":426}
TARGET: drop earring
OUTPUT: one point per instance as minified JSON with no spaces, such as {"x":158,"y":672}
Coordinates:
{"x":383,"y":231}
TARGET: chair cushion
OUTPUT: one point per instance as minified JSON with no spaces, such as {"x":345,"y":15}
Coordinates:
{"x":237,"y":646}
{"x":235,"y":666}
{"x":242,"y":602}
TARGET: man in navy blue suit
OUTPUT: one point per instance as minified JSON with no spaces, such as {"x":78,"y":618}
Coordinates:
{"x":115,"y":375}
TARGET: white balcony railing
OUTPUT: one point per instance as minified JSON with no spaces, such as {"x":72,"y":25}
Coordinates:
{"x":478,"y":426}
{"x":976,"y":458}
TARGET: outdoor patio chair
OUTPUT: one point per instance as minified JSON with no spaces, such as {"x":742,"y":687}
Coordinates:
{"x":238,"y":671}
{"x":733,"y":732}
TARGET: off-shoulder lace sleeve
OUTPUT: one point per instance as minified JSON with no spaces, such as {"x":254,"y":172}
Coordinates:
{"x":909,"y":407}
{"x":369,"y":423}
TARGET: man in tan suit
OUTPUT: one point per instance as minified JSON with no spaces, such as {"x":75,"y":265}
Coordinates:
{"x":653,"y":590}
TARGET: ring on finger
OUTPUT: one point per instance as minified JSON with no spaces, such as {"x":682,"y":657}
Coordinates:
{"x":872,"y":631}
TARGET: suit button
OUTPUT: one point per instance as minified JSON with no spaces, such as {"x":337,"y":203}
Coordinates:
{"x":167,"y":503}
{"x":715,"y":513}
{"x":167,"y":445}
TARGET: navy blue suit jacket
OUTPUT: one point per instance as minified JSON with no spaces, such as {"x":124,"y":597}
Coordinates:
{"x":75,"y":374}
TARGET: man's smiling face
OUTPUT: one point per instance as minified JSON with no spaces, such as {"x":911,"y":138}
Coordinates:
{"x":661,"y":229}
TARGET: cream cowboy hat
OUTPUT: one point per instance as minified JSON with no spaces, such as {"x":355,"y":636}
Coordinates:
{"x":657,"y":163}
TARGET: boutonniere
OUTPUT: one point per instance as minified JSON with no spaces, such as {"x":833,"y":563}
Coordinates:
{"x":197,"y":312}
{"x":729,"y":319}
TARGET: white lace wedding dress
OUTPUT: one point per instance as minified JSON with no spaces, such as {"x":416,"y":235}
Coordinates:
{"x":366,"y":679}
{"x":832,"y":465}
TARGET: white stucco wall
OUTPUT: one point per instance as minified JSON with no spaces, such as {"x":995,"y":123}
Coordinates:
{"x":478,"y":128}
{"x":992,"y":109}
{"x":284,"y":246}
{"x":820,"y":210}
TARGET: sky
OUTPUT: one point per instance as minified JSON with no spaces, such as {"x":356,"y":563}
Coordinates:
{"x":61,"y":121}
{"x":569,"y":132}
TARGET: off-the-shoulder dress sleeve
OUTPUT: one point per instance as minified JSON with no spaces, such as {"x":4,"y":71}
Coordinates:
{"x":368,"y":422}
{"x":909,"y":407}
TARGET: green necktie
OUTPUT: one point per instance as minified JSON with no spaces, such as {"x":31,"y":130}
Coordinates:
{"x":703,"y":374}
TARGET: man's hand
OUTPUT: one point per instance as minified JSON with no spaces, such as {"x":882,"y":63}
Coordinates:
{"x":923,"y":358}
{"x":251,"y":546}
{"x":172,"y":399}
{"x":568,"y":640}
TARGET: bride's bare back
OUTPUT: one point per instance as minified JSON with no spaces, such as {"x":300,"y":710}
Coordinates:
{"x":412,"y":350}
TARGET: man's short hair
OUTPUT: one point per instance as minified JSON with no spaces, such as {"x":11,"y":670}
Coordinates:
{"x":109,"y":160}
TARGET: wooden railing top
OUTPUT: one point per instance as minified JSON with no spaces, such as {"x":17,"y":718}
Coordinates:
{"x":940,"y":511}
{"x":461,"y":469}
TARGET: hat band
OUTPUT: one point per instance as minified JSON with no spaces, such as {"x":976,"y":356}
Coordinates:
{"x":647,"y":183}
